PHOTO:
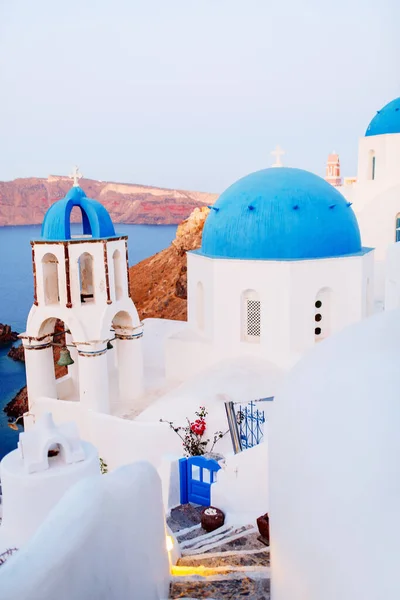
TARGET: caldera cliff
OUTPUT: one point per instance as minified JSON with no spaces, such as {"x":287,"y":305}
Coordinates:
{"x":25,"y":201}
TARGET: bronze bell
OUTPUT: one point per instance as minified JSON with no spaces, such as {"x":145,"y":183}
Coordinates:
{"x":65,"y":358}
{"x":109,"y":345}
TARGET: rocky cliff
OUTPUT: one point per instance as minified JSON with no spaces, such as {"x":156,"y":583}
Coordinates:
{"x":158,"y":283}
{"x":19,"y":404}
{"x":158,"y":288}
{"x":7,"y":336}
{"x":25,"y":201}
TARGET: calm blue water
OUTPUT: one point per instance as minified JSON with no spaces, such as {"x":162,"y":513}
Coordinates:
{"x":16,"y":296}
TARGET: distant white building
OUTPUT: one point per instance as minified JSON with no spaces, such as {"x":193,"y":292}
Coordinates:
{"x":375,"y":193}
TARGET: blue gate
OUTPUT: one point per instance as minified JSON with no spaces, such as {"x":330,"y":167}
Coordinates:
{"x":251,"y":425}
{"x":197,"y":474}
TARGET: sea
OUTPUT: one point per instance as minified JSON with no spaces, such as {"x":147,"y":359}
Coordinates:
{"x":16,"y":296}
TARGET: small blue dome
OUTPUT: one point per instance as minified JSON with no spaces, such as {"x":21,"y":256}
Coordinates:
{"x":95,"y":218}
{"x":386,"y":120}
{"x":281,"y":214}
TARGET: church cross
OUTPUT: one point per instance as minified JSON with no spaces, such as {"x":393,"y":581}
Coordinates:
{"x":278,"y":152}
{"x":76,"y":175}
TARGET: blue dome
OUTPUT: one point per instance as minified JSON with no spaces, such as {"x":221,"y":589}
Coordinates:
{"x":281,"y":214}
{"x":95,"y":218}
{"x":386,"y":120}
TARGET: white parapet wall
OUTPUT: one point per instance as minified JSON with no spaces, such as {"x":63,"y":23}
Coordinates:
{"x":119,"y":441}
{"x":105,"y":540}
{"x":241,"y":489}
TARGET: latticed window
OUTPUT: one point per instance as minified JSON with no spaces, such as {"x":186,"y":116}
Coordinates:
{"x":253,"y":318}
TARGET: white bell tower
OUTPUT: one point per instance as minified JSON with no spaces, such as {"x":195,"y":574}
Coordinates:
{"x":82,"y":279}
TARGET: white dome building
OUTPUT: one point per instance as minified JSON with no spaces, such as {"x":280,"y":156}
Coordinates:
{"x":375,"y":193}
{"x":281,"y":267}
{"x":334,"y":469}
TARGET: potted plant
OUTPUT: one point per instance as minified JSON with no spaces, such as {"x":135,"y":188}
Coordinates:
{"x":193,"y":436}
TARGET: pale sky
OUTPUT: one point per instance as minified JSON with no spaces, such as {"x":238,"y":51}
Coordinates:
{"x":190,"y":94}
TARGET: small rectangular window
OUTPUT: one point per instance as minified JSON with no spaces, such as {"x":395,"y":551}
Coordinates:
{"x":398,"y":229}
{"x":253,"y":318}
{"x":373,"y":167}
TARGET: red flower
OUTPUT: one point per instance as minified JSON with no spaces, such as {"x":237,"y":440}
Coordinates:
{"x":198,"y":427}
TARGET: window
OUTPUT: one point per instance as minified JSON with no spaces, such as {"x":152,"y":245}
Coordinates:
{"x":50,"y":279}
{"x":397,"y":232}
{"x":118,"y":275}
{"x":200,"y":305}
{"x":322,"y":314}
{"x":86,"y":278}
{"x":372,"y":165}
{"x":251,"y":316}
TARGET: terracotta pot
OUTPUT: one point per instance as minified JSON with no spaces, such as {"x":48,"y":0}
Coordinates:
{"x":212,"y":521}
{"x":263,"y":526}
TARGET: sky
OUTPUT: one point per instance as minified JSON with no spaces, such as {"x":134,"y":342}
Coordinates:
{"x":190,"y":94}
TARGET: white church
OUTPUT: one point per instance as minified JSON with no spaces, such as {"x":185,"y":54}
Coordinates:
{"x":287,"y":261}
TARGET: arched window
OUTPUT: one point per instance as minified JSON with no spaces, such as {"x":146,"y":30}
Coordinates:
{"x":86,"y":277}
{"x":50,"y":279}
{"x":372,"y":165}
{"x":251,"y":316}
{"x":200,"y":305}
{"x":397,"y":232}
{"x":322,"y":314}
{"x":118,"y":275}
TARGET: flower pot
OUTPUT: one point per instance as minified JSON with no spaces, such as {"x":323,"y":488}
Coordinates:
{"x":263,"y":528}
{"x":212,"y":518}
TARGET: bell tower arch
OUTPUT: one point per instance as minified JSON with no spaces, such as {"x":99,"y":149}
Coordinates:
{"x":82,"y":280}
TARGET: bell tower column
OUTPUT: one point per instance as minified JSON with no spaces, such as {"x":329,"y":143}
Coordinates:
{"x":130,"y":363}
{"x":73,"y":370}
{"x":93,"y":377}
{"x":39,"y":366}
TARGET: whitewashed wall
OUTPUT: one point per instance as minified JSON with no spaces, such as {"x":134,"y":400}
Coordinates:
{"x":386,"y":149}
{"x":377,"y":202}
{"x":392,"y":277}
{"x":119,"y":441}
{"x":90,"y":320}
{"x":287,"y":291}
{"x":334,"y":451}
{"x":28,"y":498}
{"x":105,"y":540}
{"x":241,"y":489}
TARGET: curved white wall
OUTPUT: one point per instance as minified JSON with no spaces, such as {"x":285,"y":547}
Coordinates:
{"x":334,"y":450}
{"x":104,"y":541}
{"x":28,"y":498}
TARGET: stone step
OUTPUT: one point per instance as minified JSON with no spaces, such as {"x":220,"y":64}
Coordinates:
{"x":232,"y":586}
{"x":206,"y":543}
{"x":257,"y":557}
{"x":204,"y":537}
{"x":184,"y":516}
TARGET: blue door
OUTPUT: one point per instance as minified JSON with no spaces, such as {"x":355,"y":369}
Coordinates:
{"x":197,"y":475}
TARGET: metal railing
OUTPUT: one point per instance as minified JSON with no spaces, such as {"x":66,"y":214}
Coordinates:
{"x":246,"y":423}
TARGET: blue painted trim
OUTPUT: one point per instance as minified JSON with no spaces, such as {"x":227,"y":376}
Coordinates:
{"x":364,"y":250}
{"x":183,"y":480}
{"x":77,"y":239}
